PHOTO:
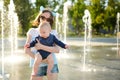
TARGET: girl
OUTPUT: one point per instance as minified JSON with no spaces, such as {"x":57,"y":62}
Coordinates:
{"x":45,"y":15}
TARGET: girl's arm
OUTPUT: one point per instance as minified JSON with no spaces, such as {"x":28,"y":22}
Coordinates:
{"x":54,"y":49}
{"x":28,"y":50}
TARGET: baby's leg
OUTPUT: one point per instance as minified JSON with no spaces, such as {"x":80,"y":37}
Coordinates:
{"x":37,"y":62}
{"x":50,"y":63}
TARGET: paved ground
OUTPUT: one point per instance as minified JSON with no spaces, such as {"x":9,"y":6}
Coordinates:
{"x":93,"y":42}
{"x":102,"y":66}
{"x":80,"y":41}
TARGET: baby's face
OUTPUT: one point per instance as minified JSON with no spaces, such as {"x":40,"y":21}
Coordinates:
{"x":44,"y":32}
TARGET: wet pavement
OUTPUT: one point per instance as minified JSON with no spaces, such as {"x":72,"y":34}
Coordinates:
{"x":101,"y":62}
{"x":79,"y":41}
{"x":98,"y":65}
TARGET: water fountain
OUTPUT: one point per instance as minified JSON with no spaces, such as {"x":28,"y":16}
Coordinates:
{"x":118,"y":33}
{"x":2,"y":32}
{"x":59,"y":26}
{"x":67,"y":5}
{"x":57,"y":21}
{"x":9,"y":30}
{"x":104,"y":65}
{"x":12,"y":15}
{"x":13,"y":37}
{"x":87,"y":34}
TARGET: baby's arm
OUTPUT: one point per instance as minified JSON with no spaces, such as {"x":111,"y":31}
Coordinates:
{"x":60,"y":43}
{"x":32,"y":44}
{"x":28,"y":50}
{"x":28,"y":45}
{"x":51,"y":49}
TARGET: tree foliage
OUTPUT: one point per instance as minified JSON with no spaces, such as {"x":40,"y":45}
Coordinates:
{"x":96,"y":9}
{"x":25,"y":12}
{"x":103,"y":13}
{"x":110,"y":14}
{"x":76,"y":13}
{"x":39,"y":3}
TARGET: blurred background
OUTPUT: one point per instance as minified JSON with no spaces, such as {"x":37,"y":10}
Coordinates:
{"x":103,"y":14}
{"x":90,"y":27}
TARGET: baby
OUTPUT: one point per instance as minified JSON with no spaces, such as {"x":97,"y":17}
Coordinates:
{"x":45,"y":38}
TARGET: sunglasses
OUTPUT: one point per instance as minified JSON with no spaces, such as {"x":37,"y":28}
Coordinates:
{"x":44,"y":18}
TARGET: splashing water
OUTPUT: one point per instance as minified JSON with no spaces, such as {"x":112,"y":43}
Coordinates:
{"x":9,"y":28}
{"x":2,"y":32}
{"x":87,"y":35}
{"x":67,"y":5}
{"x":118,"y":33}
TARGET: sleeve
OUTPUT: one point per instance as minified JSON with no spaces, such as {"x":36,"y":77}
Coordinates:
{"x":32,"y":44}
{"x":58,"y":42}
{"x":30,"y":31}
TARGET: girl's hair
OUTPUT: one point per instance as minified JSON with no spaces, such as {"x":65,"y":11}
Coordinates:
{"x":36,"y":22}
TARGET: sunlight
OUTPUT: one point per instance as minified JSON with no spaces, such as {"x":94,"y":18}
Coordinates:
{"x":6,"y":76}
{"x":14,"y":59}
{"x":62,"y":55}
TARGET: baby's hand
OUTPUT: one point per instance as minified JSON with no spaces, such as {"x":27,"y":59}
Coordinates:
{"x":66,"y":46}
{"x":27,"y":45}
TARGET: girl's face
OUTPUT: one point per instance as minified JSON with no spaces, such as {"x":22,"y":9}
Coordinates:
{"x":45,"y":17}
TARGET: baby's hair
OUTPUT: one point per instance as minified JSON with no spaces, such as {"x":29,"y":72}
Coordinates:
{"x":45,"y":24}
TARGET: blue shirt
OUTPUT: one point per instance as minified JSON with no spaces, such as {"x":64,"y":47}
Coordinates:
{"x":34,"y":32}
{"x":49,"y":41}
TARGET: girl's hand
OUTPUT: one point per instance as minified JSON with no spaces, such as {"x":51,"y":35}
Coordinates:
{"x":38,"y":45}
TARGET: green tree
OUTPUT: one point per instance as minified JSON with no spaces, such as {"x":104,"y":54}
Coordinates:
{"x":76,"y":13}
{"x":39,"y":3}
{"x":110,"y":14}
{"x":25,"y":13}
{"x":6,"y":2}
{"x":96,"y":8}
{"x":46,"y":3}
